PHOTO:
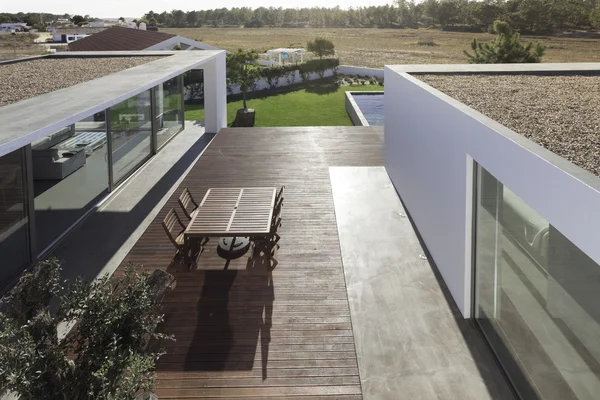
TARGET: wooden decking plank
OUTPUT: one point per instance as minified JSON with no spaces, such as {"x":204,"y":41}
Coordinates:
{"x":245,"y":332}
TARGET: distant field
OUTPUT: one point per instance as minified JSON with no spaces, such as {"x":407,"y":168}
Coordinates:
{"x":21,"y":45}
{"x":377,"y":47}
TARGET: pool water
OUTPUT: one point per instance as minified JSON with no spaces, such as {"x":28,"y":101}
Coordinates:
{"x":371,"y":105}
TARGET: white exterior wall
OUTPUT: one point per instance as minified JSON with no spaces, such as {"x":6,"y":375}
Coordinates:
{"x":431,"y":141}
{"x":361,"y":71}
{"x":215,"y":94}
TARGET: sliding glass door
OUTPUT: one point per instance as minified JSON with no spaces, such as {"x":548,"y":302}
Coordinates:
{"x":14,"y":219}
{"x":131,"y":135}
{"x":536,"y":298}
{"x":168,"y":109}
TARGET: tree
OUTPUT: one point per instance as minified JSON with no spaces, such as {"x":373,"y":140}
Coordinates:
{"x":505,"y":48}
{"x":243,"y":70}
{"x":77,"y":19}
{"x":121,"y":19}
{"x":107,"y":356}
{"x":321,"y":47}
{"x":595,"y":17}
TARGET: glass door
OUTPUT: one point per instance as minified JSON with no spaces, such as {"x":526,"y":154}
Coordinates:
{"x":536,"y":298}
{"x":131,"y":135}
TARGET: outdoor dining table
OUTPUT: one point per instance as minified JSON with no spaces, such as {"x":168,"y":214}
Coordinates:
{"x":232,"y":212}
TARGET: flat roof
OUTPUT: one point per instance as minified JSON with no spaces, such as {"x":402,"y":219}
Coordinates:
{"x":28,"y":120}
{"x":31,"y":78}
{"x":558,"y":112}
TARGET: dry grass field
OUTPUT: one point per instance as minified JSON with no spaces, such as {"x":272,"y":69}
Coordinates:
{"x":376,"y":47}
{"x":18,"y":46}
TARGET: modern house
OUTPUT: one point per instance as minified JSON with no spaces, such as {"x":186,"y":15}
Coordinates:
{"x":67,"y":145}
{"x":130,"y":39}
{"x":441,"y":256}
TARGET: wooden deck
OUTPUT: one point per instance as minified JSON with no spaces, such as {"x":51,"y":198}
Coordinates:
{"x":241,"y":331}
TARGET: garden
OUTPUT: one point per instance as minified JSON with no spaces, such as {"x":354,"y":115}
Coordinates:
{"x":295,"y":94}
{"x":315,"y":103}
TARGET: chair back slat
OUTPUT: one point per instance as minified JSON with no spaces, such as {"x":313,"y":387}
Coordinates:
{"x":279,"y":195}
{"x":169,"y":223}
{"x":184,"y":201}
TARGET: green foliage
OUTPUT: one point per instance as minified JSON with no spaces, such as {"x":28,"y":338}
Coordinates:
{"x":273,"y":73}
{"x":243,"y":70}
{"x":595,"y":17}
{"x":77,"y":19}
{"x":321,"y":47}
{"x":110,"y":343}
{"x":505,"y":48}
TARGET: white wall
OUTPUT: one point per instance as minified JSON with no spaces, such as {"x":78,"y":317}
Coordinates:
{"x":215,"y":94}
{"x":429,"y":140}
{"x":362,"y":71}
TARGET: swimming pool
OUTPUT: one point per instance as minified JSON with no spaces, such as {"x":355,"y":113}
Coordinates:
{"x":365,"y":108}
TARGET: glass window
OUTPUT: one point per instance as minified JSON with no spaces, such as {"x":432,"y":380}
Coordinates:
{"x":536,"y":298}
{"x":169,"y":109}
{"x":131,"y":132}
{"x":14,"y":236}
{"x":70,"y":176}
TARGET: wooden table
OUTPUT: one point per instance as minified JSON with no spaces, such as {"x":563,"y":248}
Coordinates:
{"x":231,"y":212}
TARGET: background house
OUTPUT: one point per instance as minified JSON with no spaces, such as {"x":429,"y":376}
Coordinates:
{"x":14,"y":26}
{"x":68,"y":35}
{"x":128,"y":39}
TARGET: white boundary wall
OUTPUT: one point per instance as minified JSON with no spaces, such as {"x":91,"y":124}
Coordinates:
{"x":431,"y":141}
{"x":262,"y":84}
{"x":361,"y":71}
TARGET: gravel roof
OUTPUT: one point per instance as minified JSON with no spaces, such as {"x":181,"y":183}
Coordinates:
{"x":561,"y":113}
{"x":22,"y":80}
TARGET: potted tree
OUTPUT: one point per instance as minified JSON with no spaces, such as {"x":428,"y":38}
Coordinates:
{"x":107,"y":353}
{"x":243,"y":70}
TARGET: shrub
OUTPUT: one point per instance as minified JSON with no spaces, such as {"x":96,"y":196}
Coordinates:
{"x":505,"y":48}
{"x":321,"y":47}
{"x":426,"y":41}
{"x":108,"y":356}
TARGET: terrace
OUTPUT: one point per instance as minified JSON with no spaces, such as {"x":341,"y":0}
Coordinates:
{"x":407,"y":252}
{"x":322,"y":322}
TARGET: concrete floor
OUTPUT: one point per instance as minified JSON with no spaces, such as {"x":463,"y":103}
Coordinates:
{"x":105,"y":238}
{"x":411,"y":340}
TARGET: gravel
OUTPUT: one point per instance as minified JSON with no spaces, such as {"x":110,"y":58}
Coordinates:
{"x":561,"y":113}
{"x":22,"y":80}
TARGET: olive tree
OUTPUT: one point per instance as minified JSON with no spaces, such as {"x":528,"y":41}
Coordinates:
{"x":243,"y":70}
{"x":321,"y":47}
{"x":106,"y":356}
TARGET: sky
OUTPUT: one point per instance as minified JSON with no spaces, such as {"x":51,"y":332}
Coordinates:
{"x":136,"y":8}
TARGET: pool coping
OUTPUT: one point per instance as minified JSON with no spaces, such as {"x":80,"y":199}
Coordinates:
{"x":356,"y":115}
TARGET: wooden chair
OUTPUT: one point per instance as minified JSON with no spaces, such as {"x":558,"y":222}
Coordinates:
{"x":185,"y":200}
{"x":178,"y":239}
{"x":279,"y":195}
{"x":269,"y":246}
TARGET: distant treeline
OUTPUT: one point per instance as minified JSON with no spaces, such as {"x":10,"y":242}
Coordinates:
{"x":37,"y":20}
{"x":528,"y":16}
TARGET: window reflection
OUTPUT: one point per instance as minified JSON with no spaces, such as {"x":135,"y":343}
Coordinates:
{"x":131,"y":132}
{"x":536,"y":297}
{"x":14,"y":241}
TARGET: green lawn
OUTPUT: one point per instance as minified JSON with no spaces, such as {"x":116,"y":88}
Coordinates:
{"x":314,"y":105}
